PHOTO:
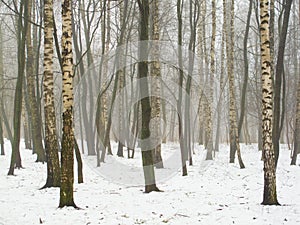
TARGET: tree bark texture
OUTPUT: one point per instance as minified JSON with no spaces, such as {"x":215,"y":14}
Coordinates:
{"x":270,"y":195}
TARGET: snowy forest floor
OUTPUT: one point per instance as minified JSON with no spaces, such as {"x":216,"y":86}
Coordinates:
{"x":214,"y":192}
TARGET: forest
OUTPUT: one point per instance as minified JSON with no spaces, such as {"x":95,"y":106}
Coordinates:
{"x":149,"y":112}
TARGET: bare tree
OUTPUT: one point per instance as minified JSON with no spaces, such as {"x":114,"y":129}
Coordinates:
{"x":36,"y":121}
{"x":67,"y":151}
{"x":279,"y":72}
{"x":234,"y":136}
{"x":270,"y":194}
{"x":212,"y":74}
{"x":156,"y":74}
{"x":51,"y":142}
{"x":147,"y":156}
{"x":21,"y":39}
{"x":179,"y":103}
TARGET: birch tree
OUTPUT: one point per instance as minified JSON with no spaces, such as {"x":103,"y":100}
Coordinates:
{"x":156,"y":74}
{"x":270,"y":194}
{"x":67,"y":151}
{"x":51,"y":143}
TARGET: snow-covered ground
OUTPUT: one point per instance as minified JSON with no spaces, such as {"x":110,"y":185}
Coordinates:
{"x":214,"y":192}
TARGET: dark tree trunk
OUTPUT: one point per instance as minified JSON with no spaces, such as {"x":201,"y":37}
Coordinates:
{"x":67,"y":151}
{"x":147,"y":152}
{"x":278,"y":79}
{"x":79,"y":162}
{"x":21,"y":32}
{"x":183,"y":148}
{"x":246,"y":69}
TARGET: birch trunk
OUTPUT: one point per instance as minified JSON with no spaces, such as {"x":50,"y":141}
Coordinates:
{"x":51,"y":142}
{"x":67,"y":152}
{"x":156,"y":74}
{"x":270,"y":195}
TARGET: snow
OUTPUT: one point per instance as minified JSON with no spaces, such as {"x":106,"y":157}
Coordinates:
{"x":214,"y":192}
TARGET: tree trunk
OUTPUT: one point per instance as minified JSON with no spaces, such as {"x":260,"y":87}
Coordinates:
{"x":26,"y":121}
{"x":212,"y":74}
{"x":1,"y":93}
{"x":234,"y":136}
{"x":156,"y":93}
{"x":201,"y":56}
{"x":79,"y":162}
{"x":193,"y":16}
{"x":21,"y":34}
{"x":246,"y":69}
{"x":270,"y":195}
{"x":105,"y":70}
{"x":119,"y":77}
{"x":51,"y":142}
{"x":278,"y":79}
{"x":36,"y":120}
{"x":88,"y":85}
{"x":296,"y":149}
{"x":147,"y":156}
{"x":179,"y":103}
{"x":67,"y":151}
{"x":222,"y":87}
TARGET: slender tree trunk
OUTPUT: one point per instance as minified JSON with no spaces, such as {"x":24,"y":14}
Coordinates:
{"x":119,"y":72}
{"x":194,"y":16}
{"x":81,"y":71}
{"x":278,"y":79}
{"x":6,"y":123}
{"x":179,"y":103}
{"x":21,"y":34}
{"x":88,"y":86}
{"x":26,"y":121}
{"x":222,"y":88}
{"x":212,"y":74}
{"x":67,"y":152}
{"x":156,"y":74}
{"x":296,"y":148}
{"x":270,"y":194}
{"x":79,"y":162}
{"x":1,"y":139}
{"x":105,"y":71}
{"x":51,"y":142}
{"x":37,"y":42}
{"x":234,"y":136}
{"x":201,"y":55}
{"x":206,"y":79}
{"x":172,"y":126}
{"x":246,"y":69}
{"x":147,"y":156}
{"x":1,"y":93}
{"x":101,"y":111}
{"x":121,"y":77}
{"x":33,"y":106}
